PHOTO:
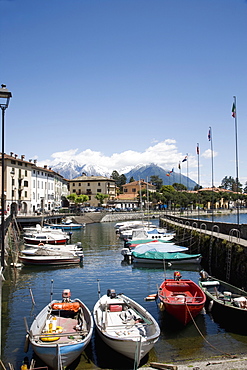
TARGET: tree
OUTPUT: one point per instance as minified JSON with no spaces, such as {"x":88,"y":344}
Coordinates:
{"x":178,"y":186}
{"x":120,"y":179}
{"x":156,"y":181}
{"x":100,"y":197}
{"x":132,"y":179}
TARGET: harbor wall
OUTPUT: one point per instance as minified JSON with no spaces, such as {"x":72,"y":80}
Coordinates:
{"x":223,"y":256}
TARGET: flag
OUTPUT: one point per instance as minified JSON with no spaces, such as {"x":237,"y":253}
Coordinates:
{"x":179,"y":167}
{"x":197,"y":149}
{"x":209,"y":134}
{"x":172,"y":170}
{"x":185,"y":159}
{"x":233,"y":110}
{"x":167,"y":174}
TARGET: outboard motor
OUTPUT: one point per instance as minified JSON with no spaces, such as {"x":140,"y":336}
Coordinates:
{"x":204,"y":275}
{"x":111,"y":293}
{"x":177,"y":275}
{"x":66,"y":295}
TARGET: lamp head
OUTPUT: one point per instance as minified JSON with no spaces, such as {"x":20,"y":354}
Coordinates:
{"x":5,"y":94}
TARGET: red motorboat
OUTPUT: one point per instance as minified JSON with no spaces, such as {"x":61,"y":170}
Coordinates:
{"x":181,"y":298}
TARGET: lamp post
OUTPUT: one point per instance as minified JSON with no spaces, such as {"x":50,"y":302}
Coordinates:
{"x":5,"y":96}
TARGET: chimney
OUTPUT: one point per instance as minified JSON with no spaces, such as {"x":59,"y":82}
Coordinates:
{"x":11,"y":154}
{"x":22,"y":157}
{"x":16,"y":156}
{"x":45,"y":166}
{"x":30,"y":160}
{"x":35,"y":161}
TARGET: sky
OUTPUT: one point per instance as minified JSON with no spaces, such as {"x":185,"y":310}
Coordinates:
{"x":120,"y":83}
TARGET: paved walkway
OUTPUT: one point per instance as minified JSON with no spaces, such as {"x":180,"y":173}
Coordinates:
{"x":211,"y":364}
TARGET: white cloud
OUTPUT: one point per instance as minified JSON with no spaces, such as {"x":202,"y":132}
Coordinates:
{"x":207,"y":154}
{"x":164,"y":154}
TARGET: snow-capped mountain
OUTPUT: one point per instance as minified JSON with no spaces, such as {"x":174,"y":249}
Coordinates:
{"x":73,"y":169}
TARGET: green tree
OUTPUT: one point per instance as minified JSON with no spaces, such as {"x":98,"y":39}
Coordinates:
{"x":101,"y":197}
{"x":156,"y":181}
{"x":132,"y":179}
{"x":178,"y":186}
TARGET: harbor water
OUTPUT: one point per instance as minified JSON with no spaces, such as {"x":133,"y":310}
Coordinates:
{"x":103,"y":267}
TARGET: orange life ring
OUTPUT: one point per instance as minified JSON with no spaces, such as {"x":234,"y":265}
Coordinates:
{"x":40,"y":244}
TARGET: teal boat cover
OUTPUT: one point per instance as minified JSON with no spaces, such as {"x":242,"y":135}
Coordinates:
{"x":165,"y":255}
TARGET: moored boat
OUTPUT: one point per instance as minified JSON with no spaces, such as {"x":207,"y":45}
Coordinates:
{"x":46,"y":256}
{"x":66,"y":225}
{"x":226,"y":302}
{"x":46,"y":238}
{"x":125,"y":326}
{"x":61,"y":331}
{"x":181,"y":298}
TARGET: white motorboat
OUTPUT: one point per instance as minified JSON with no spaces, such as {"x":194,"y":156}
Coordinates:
{"x":125,"y":326}
{"x":46,"y":256}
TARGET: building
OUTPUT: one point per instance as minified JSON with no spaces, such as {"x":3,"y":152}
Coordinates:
{"x":135,"y":186}
{"x":91,"y":185}
{"x":28,"y":187}
{"x":130,"y":197}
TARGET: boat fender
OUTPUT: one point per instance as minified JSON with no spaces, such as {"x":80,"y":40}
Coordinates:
{"x":210,"y":305}
{"x":26,"y":344}
{"x":161,"y":306}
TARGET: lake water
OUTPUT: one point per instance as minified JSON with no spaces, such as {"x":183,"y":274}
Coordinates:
{"x":103,"y":262}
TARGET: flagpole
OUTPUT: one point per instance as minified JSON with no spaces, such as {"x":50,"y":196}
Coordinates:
{"x":198,"y":179}
{"x":210,"y":137}
{"x":234,"y":114}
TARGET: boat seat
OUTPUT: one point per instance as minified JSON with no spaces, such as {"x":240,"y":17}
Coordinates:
{"x":182,"y":285}
{"x":210,"y":283}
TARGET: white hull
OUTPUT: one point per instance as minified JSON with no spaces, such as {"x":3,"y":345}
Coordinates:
{"x":131,"y":330}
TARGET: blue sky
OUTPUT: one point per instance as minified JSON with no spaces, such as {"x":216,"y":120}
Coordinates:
{"x":124,"y":82}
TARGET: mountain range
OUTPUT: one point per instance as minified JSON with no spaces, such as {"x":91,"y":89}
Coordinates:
{"x":73,"y":169}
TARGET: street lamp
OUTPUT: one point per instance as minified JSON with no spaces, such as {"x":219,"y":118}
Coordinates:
{"x":5,"y":96}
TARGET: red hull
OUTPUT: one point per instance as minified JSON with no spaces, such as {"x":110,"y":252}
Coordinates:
{"x":182,"y":299}
{"x":44,"y":241}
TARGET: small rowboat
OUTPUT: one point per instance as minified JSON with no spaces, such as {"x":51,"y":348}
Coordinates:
{"x":183,"y":299}
{"x":61,"y":331}
{"x":125,"y":326}
{"x":226,"y":302}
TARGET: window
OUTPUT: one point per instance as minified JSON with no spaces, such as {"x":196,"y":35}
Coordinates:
{"x":79,"y":184}
{"x":73,"y":184}
{"x":89,"y":198}
{"x":88,"y":184}
{"x":33,"y":195}
{"x":98,"y":190}
{"x":98,"y":183}
{"x":125,"y":190}
{"x":25,"y":194}
{"x":25,"y":172}
{"x":26,"y":184}
{"x":74,"y":191}
{"x":13,"y":193}
{"x":33,"y":183}
{"x":134,"y":190}
{"x":13,"y":182}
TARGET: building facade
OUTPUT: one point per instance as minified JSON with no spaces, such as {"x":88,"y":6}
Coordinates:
{"x":91,"y":185}
{"x":28,"y":188}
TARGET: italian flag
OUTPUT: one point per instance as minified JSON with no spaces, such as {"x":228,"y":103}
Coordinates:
{"x":233,"y":110}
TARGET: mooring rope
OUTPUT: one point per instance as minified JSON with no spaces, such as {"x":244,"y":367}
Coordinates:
{"x":199,"y":331}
